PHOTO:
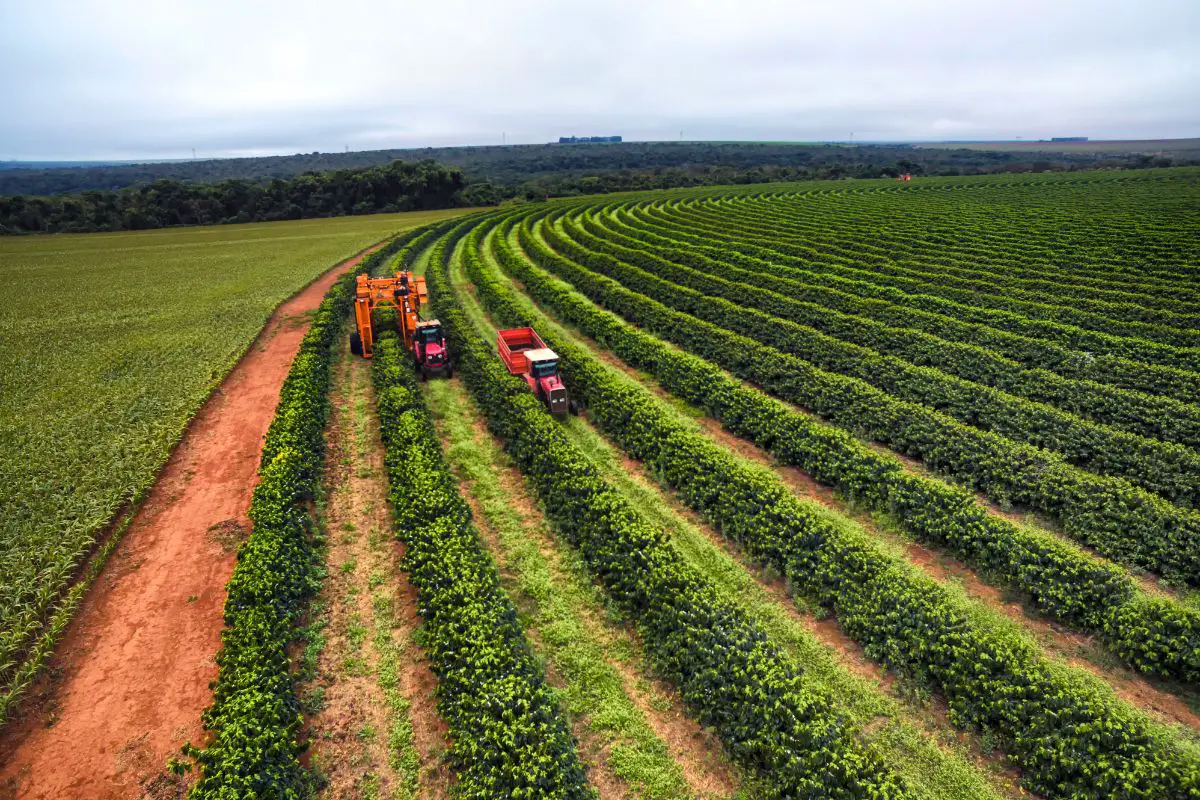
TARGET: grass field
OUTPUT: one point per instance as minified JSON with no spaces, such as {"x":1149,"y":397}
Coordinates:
{"x":108,"y":345}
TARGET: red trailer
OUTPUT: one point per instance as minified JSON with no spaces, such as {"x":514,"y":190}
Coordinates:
{"x":525,"y":354}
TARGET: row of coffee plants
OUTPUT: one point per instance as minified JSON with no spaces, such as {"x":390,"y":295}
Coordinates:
{"x":1052,"y":258}
{"x":1156,"y":636}
{"x":255,"y":718}
{"x":1170,"y":470}
{"x":939,"y":317}
{"x":946,"y":242}
{"x":1122,"y":522}
{"x":1069,"y":734}
{"x":1125,"y":318}
{"x":1117,"y":338}
{"x":730,"y":675}
{"x":851,"y":318}
{"x":508,"y":736}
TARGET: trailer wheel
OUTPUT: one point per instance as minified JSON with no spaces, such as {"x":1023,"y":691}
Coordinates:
{"x":356,"y":344}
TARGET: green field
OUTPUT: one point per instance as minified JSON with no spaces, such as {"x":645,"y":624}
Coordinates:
{"x":108,"y":345}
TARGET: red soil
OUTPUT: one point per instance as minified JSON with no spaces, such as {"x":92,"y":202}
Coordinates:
{"x":131,"y":677}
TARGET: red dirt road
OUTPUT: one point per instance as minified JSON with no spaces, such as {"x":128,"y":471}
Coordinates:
{"x":131,"y":677}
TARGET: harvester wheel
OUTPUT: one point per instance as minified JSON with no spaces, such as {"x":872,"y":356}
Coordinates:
{"x":356,"y":344}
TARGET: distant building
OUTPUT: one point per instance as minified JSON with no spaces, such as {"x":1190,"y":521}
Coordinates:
{"x":587,"y":139}
{"x":1068,"y":138}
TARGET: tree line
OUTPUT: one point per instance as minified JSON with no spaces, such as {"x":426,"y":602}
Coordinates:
{"x":514,"y":165}
{"x":398,"y":186}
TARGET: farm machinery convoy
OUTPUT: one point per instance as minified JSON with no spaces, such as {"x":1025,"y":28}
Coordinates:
{"x":522,"y":350}
{"x":423,"y":338}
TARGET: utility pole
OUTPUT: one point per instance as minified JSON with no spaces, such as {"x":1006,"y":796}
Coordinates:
{"x":193,"y":154}
{"x":504,"y":138}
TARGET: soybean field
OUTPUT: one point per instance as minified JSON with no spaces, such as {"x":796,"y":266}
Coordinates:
{"x":108,"y":345}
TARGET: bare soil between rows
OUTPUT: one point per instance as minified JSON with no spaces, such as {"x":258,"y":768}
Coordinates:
{"x":129,"y":681}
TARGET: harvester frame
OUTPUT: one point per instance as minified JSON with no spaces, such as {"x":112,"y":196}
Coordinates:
{"x":406,"y":293}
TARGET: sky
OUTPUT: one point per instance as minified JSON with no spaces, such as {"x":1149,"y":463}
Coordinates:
{"x":135,"y":79}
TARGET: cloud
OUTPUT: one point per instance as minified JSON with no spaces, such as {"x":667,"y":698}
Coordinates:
{"x":133,"y":78}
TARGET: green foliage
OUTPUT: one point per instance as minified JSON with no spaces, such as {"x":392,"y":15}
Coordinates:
{"x":888,"y":358}
{"x":165,"y":203}
{"x":256,"y":716}
{"x":551,"y":169}
{"x":108,"y":346}
{"x":508,"y":735}
{"x":1118,"y":520}
{"x":854,"y":309}
{"x":1004,"y":332}
{"x":728,"y":672}
{"x":992,"y":679}
{"x":1060,"y":580}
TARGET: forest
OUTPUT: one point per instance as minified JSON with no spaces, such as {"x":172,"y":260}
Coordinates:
{"x":398,"y":186}
{"x":515,"y":165}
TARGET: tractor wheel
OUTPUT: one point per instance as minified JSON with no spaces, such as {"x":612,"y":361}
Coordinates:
{"x":449,"y":370}
{"x":573,"y":407}
{"x":356,"y":344}
{"x":424,"y":374}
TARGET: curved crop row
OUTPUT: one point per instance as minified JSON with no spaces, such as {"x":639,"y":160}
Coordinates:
{"x":854,"y":319}
{"x":1045,"y":310}
{"x":1030,"y":319}
{"x":1155,"y":636}
{"x":729,"y":673}
{"x":509,"y":738}
{"x":1069,"y":734}
{"x":942,"y":318}
{"x":1118,"y":520}
{"x":959,"y":239}
{"x":1053,"y":249}
{"x":255,"y":717}
{"x":1170,"y":470}
{"x":1122,"y":318}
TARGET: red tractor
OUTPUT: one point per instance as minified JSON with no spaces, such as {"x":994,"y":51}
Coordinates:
{"x":525,"y":354}
{"x":429,"y":349}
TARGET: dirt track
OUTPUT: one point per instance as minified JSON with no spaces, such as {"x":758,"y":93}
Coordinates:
{"x":132,"y":675}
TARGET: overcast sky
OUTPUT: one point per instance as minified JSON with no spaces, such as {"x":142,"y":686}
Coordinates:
{"x":132,"y":79}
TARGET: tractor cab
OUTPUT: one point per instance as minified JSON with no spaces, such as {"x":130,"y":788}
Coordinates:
{"x":430,"y":332}
{"x":543,"y":369}
{"x":429,"y":348}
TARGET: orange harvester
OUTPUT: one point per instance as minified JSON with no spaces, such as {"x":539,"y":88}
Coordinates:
{"x":406,"y":293}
